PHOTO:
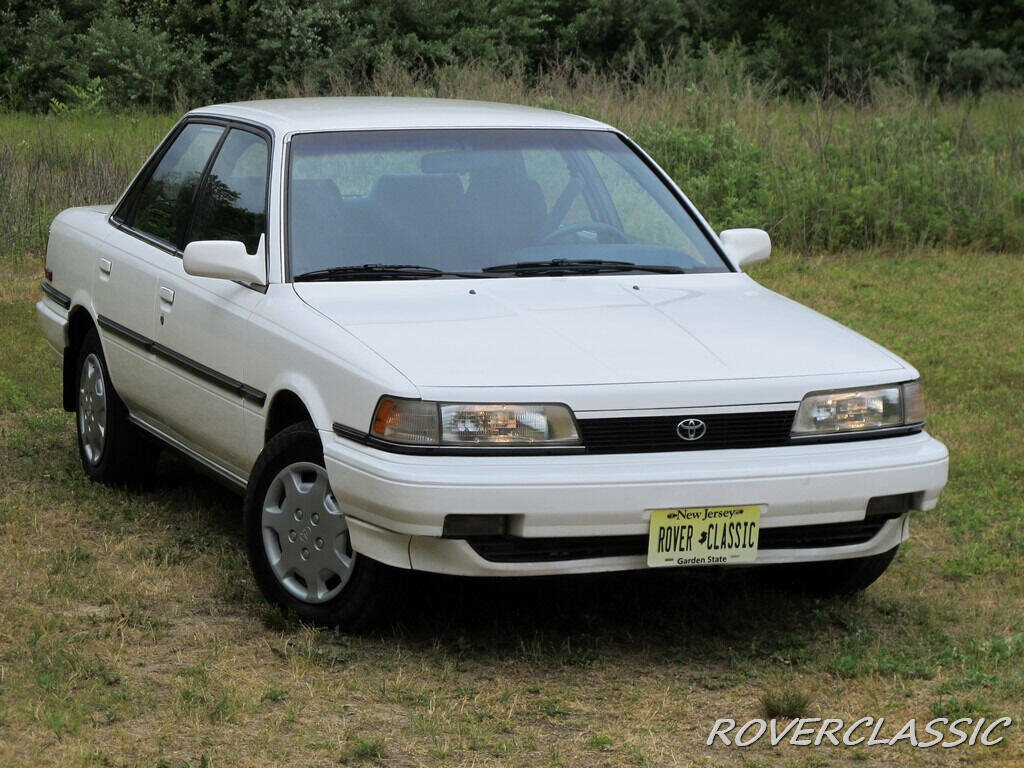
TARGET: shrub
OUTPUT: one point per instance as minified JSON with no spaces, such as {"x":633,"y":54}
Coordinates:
{"x":977,"y":68}
{"x":821,"y":175}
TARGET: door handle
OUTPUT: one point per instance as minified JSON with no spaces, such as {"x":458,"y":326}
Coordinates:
{"x":105,"y":266}
{"x":166,"y":294}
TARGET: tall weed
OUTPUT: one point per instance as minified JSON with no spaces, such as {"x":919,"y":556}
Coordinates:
{"x":905,"y":169}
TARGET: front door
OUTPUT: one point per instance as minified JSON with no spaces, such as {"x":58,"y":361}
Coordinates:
{"x":202,"y":324}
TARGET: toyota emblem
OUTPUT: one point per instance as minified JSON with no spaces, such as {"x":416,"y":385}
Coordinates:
{"x":691,"y":429}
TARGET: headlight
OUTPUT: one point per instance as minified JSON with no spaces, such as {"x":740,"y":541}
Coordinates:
{"x":849,"y":410}
{"x":419,"y":422}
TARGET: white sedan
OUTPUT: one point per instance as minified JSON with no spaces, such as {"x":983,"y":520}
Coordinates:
{"x":473,"y":339}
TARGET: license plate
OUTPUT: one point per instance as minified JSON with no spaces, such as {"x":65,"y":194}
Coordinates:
{"x":703,"y":536}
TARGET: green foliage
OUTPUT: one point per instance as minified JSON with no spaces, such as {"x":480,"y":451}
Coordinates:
{"x":44,"y":61}
{"x":365,"y":751}
{"x":976,"y":68}
{"x":994,"y":24}
{"x":83,"y":100}
{"x":163,"y":53}
{"x":134,"y":62}
{"x":784,"y":703}
{"x":716,"y":166}
{"x":821,"y":176}
{"x":618,"y":31}
{"x":47,"y":164}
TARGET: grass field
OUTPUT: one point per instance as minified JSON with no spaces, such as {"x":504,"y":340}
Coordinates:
{"x":908,"y":170}
{"x":131,"y":633}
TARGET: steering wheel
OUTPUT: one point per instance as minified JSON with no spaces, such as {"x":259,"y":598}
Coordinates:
{"x":563,"y":234}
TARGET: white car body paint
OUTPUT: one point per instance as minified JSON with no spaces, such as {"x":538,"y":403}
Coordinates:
{"x":606,"y":346}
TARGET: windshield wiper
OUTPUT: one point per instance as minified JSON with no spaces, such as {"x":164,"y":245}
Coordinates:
{"x":416,"y":271}
{"x":355,"y":272}
{"x":562,"y":266}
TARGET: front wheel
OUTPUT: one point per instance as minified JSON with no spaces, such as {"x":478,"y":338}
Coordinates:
{"x":298,"y":540}
{"x":830,"y":578}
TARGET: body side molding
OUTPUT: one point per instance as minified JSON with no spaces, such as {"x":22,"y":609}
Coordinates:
{"x":198,"y":369}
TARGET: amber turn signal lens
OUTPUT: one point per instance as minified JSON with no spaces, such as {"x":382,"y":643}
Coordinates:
{"x":400,"y":420}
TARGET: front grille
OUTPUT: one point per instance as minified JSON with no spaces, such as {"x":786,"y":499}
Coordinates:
{"x":649,"y":434}
{"x":512,"y":549}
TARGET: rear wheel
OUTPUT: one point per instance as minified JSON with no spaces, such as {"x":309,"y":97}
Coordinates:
{"x":831,"y":578}
{"x":298,"y":539}
{"x":112,"y":449}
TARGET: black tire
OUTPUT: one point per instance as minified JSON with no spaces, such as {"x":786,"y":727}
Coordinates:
{"x":127,"y":455}
{"x":358,"y":605}
{"x":830,"y":578}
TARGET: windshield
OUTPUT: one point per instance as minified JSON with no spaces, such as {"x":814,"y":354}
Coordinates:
{"x":461,"y":201}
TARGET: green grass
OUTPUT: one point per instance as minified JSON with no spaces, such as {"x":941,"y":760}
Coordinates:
{"x":784,"y":703}
{"x":365,"y":751}
{"x":132,"y":633}
{"x":905,"y":171}
{"x":48,"y":164}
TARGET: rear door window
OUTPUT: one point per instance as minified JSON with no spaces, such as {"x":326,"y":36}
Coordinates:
{"x":165,"y":200}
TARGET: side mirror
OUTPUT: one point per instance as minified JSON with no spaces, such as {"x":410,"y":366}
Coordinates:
{"x":227,"y":260}
{"x":746,"y":246}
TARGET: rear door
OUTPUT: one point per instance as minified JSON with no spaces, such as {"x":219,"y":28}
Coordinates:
{"x":146,"y":226}
{"x":202,"y":324}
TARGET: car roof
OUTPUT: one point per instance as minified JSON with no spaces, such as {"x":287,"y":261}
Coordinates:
{"x":361,"y":113}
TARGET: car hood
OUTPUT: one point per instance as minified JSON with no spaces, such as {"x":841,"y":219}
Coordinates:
{"x":557,"y":331}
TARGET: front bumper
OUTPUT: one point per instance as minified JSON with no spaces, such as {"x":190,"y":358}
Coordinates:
{"x":397,"y":503}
